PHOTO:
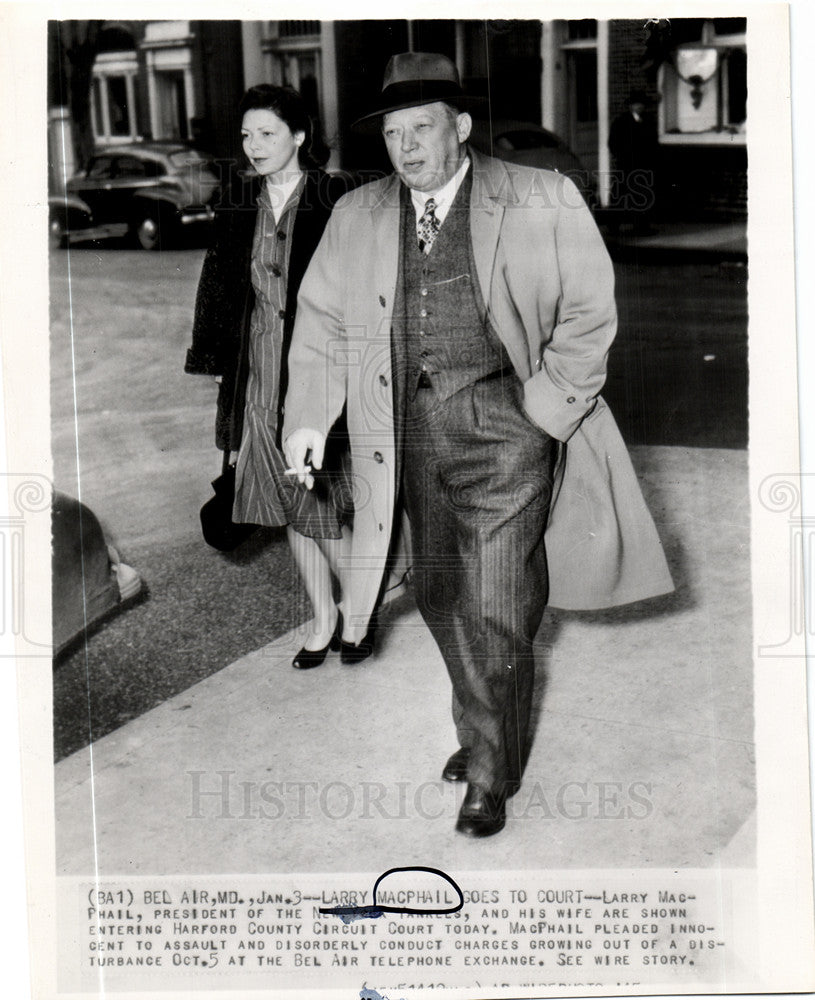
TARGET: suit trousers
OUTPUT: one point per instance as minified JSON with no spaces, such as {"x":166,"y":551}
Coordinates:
{"x":478,"y":480}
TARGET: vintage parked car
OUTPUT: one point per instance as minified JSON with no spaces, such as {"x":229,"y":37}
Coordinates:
{"x":150,"y":190}
{"x":532,"y":146}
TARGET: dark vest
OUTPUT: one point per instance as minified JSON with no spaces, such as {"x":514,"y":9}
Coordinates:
{"x":447,"y":338}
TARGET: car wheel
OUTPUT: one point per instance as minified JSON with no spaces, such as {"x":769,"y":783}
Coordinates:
{"x":148,"y":232}
{"x":57,"y":233}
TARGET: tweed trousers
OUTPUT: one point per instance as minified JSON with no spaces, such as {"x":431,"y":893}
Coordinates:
{"x":478,"y":480}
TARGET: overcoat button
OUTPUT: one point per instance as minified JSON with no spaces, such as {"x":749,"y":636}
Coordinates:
{"x":383,"y":380}
{"x":382,"y":301}
{"x":282,"y":314}
{"x":276,"y":270}
{"x":570,"y":399}
{"x":381,"y":527}
{"x":378,"y":457}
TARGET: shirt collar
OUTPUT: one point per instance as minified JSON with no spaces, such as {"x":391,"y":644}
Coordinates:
{"x":444,"y":196}
{"x":280,"y":195}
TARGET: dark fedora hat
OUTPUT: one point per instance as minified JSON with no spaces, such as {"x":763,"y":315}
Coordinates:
{"x":416,"y":78}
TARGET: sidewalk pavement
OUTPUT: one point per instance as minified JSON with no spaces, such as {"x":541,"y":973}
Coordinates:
{"x":681,"y":240}
{"x":643,"y":755}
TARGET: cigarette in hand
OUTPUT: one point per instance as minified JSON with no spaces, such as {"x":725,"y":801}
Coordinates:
{"x":293,"y":472}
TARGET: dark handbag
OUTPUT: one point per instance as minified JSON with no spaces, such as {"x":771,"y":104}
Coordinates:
{"x":217,"y":526}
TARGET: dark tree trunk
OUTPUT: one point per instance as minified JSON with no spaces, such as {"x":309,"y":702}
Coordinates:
{"x":74,"y":45}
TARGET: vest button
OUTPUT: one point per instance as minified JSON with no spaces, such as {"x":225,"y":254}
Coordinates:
{"x":383,"y":380}
{"x":281,"y":236}
{"x":421,"y":333}
{"x":423,"y":313}
{"x":378,"y":457}
{"x":424,"y":291}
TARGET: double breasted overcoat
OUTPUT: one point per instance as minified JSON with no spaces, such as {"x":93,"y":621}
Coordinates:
{"x":548,"y":285}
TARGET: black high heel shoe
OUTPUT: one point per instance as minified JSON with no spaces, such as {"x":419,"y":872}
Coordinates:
{"x":308,"y":658}
{"x":351,"y":652}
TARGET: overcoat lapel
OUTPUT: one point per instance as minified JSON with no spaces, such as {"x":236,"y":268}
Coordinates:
{"x":385,"y":219}
{"x":490,"y":194}
{"x":309,"y":223}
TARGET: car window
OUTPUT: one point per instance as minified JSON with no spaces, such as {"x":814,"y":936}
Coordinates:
{"x":187,"y":157}
{"x":134,"y":167}
{"x":194,"y":160}
{"x":100,"y":167}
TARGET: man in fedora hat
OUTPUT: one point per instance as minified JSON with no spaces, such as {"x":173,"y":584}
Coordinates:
{"x":461,"y":309}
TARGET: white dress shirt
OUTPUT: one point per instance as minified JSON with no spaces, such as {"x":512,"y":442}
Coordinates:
{"x":444,"y":197}
{"x":279,"y":194}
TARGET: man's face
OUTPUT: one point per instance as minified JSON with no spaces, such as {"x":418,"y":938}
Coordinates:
{"x":425,"y":144}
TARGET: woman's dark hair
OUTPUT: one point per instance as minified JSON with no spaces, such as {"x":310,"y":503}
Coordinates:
{"x":289,"y":107}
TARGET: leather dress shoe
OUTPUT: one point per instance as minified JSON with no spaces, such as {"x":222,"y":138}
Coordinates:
{"x":306,"y":659}
{"x":482,"y":814}
{"x":456,"y":767}
{"x":351,"y":652}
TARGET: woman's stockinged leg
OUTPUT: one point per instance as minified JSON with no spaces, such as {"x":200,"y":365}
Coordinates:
{"x":316,"y":573}
{"x":337,"y":552}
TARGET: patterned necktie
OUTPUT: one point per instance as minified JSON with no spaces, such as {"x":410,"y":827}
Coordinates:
{"x":428,"y":226}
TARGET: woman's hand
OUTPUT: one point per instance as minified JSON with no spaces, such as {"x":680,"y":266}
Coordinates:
{"x":302,"y":446}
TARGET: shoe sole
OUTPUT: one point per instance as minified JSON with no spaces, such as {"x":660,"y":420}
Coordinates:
{"x":477,"y":834}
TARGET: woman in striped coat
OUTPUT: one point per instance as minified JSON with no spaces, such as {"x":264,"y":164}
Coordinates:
{"x":268,"y":224}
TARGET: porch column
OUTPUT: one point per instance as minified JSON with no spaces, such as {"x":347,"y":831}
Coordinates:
{"x":603,"y":154}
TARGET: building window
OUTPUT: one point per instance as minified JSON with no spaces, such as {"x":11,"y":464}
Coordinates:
{"x":298,"y":29}
{"x":168,"y":53}
{"x":294,"y":53}
{"x":579,"y":54}
{"x":704,"y":87}
{"x":584,"y":29}
{"x":113,"y":98}
{"x":171,"y":105}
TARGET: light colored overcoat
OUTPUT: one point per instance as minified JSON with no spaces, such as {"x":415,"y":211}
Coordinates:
{"x":548,"y":284}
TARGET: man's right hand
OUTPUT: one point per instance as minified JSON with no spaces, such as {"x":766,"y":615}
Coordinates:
{"x":296,"y":448}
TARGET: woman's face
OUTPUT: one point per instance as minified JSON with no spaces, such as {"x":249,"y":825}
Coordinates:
{"x":269,"y":143}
